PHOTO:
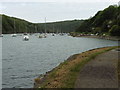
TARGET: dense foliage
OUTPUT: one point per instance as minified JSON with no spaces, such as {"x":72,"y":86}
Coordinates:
{"x":106,"y":21}
{"x":115,"y":30}
{"x":63,"y":26}
{"x":15,"y":25}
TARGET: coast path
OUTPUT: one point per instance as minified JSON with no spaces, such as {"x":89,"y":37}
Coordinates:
{"x":100,"y":72}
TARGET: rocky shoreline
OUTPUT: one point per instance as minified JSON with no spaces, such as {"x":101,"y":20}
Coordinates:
{"x":104,"y":36}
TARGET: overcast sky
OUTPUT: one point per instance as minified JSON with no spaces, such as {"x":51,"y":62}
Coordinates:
{"x":53,"y":10}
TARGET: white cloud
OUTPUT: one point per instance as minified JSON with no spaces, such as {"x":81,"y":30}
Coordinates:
{"x":2,"y":7}
{"x":54,"y":11}
{"x":59,"y":0}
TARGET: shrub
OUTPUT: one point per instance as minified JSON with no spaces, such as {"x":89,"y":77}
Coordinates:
{"x":115,"y":30}
{"x":37,"y":80}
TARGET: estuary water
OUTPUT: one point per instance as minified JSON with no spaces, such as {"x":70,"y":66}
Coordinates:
{"x":22,"y":61}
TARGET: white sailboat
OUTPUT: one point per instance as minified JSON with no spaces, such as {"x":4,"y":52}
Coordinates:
{"x":36,"y":32}
{"x":53,"y":30}
{"x":40,"y":35}
{"x":1,"y":35}
{"x":45,"y":35}
{"x":26,"y":37}
{"x":14,"y":35}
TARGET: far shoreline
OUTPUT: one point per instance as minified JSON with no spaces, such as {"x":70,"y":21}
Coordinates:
{"x":106,"y":37}
{"x":114,"y":38}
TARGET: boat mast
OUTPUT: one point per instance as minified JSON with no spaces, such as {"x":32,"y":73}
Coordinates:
{"x":45,"y":24}
{"x":26,"y":28}
{"x":36,"y":29}
{"x":19,"y":29}
{"x":14,"y":26}
{"x":53,"y":28}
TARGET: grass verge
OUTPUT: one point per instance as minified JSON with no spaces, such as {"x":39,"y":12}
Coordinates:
{"x":119,"y":71}
{"x":65,"y":75}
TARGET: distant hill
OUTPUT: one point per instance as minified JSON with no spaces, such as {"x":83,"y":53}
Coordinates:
{"x":16,"y":25}
{"x":106,"y":21}
{"x":62,"y":26}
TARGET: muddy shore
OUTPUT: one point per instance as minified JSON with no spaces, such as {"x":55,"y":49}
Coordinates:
{"x":115,"y":38}
{"x":107,"y":37}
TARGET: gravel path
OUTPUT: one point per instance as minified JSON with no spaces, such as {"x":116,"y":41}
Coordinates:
{"x":100,"y":72}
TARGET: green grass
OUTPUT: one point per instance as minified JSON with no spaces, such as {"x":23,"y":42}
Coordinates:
{"x":69,"y":78}
{"x":76,"y":69}
{"x":119,"y":71}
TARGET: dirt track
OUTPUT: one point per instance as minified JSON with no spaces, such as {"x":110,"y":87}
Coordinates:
{"x":100,"y":72}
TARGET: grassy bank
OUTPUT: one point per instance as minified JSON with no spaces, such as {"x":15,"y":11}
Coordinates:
{"x":65,"y":75}
{"x":119,"y":70}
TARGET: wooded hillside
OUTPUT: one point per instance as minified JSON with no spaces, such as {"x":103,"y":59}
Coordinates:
{"x":15,"y":25}
{"x":106,"y":21}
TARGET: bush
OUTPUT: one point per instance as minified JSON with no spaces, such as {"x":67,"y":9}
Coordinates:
{"x":37,"y":80}
{"x":115,"y":30}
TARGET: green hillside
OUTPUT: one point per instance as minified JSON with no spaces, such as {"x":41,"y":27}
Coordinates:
{"x":63,"y":26}
{"x":15,"y":25}
{"x":106,"y":21}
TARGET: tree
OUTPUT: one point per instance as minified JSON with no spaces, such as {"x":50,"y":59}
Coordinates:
{"x":115,"y":30}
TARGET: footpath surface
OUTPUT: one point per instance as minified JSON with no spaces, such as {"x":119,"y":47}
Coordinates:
{"x":100,"y":72}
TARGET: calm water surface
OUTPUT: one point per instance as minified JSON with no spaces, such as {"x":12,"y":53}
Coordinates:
{"x":22,"y":61}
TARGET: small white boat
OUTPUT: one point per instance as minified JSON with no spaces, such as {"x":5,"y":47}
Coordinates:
{"x":26,"y":38}
{"x":14,"y":29}
{"x":40,"y":36}
{"x":53,"y":34}
{"x":13,"y":35}
{"x":44,"y":36}
{"x":1,"y":35}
